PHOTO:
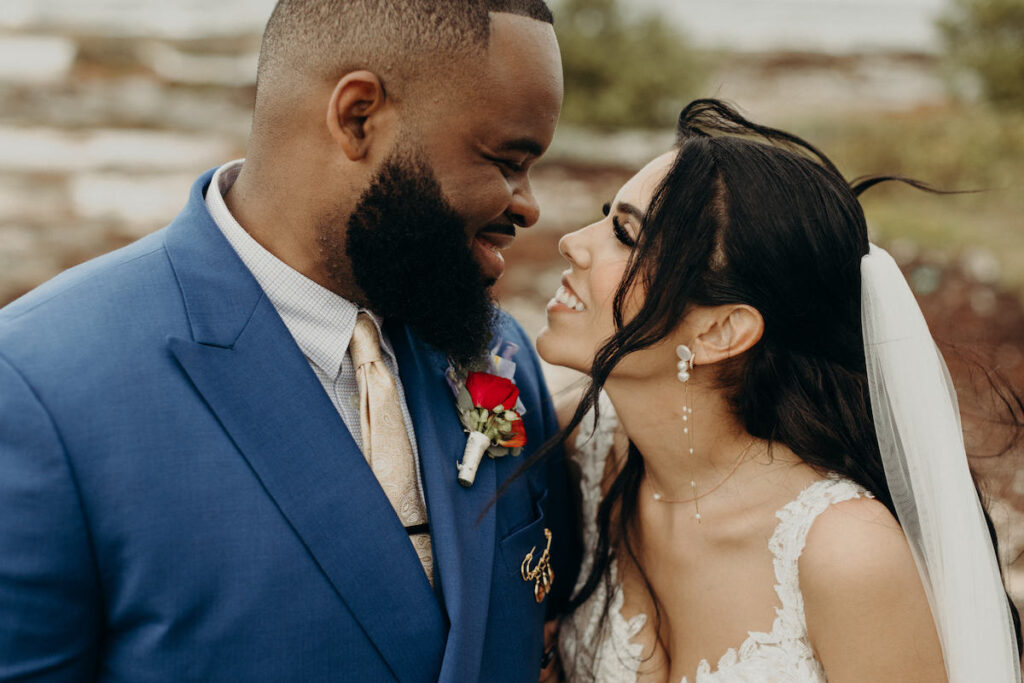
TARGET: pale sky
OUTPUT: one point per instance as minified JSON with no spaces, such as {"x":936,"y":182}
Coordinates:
{"x":835,"y":25}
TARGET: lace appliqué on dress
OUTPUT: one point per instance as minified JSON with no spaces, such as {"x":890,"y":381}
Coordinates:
{"x":781,"y":655}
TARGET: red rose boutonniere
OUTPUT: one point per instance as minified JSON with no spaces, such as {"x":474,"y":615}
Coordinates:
{"x":490,"y":411}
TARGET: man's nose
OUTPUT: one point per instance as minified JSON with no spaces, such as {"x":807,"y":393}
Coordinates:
{"x":524,"y":209}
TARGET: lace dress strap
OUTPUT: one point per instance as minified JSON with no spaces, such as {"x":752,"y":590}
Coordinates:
{"x":790,"y":536}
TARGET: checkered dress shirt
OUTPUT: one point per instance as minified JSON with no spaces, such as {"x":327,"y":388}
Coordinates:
{"x":320,"y":321}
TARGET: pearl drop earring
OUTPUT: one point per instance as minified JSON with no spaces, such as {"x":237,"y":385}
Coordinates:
{"x":685,"y":362}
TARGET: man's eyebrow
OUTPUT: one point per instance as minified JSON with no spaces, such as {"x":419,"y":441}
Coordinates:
{"x":528,"y":145}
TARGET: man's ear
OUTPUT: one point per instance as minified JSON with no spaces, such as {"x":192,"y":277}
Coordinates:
{"x":356,"y":104}
{"x":726,"y":331}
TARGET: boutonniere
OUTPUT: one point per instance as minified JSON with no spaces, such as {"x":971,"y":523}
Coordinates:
{"x":491,"y":413}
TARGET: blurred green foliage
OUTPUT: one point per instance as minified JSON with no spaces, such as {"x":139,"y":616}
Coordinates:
{"x":987,"y":37}
{"x":954,"y":148}
{"x":623,"y":73}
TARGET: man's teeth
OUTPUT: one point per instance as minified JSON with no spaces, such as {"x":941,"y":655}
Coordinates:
{"x":567,"y":298}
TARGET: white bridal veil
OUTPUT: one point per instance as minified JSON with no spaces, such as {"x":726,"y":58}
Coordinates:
{"x":918,"y":423}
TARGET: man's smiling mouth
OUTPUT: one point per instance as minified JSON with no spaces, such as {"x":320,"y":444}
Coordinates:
{"x":487,"y":247}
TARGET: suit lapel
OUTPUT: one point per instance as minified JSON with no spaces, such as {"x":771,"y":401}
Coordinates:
{"x":248,"y":369}
{"x":463,"y":540}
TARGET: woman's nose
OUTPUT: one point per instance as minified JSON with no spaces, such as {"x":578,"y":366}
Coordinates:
{"x":573,"y":248}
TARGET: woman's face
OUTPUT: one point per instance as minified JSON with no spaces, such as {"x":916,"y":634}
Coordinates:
{"x":580,"y":316}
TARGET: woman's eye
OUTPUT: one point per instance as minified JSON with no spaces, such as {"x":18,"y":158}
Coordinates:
{"x":621,"y":234}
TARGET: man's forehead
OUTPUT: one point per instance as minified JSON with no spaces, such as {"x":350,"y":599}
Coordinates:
{"x":523,"y":50}
{"x":509,"y":27}
{"x":510,"y":99}
{"x":520,"y":84}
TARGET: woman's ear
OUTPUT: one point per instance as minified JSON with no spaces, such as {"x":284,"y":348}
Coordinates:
{"x":726,"y":332}
{"x":352,"y":115}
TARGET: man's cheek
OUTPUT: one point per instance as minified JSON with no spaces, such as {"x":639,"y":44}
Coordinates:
{"x":480,"y":205}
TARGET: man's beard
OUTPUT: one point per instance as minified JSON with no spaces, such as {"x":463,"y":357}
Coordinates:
{"x":407,"y":251}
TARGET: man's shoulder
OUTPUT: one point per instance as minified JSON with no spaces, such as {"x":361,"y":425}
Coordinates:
{"x":91,"y":301}
{"x":111,"y":274}
{"x":123,"y":279}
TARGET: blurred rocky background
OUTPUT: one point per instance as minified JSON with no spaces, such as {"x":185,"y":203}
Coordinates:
{"x":110,"y":108}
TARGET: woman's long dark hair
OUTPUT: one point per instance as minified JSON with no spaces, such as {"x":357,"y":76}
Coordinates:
{"x":751,"y":215}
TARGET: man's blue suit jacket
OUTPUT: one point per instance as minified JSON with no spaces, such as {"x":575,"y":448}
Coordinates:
{"x":180,"y":501}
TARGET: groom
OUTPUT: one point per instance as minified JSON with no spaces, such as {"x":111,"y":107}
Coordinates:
{"x":196,"y":483}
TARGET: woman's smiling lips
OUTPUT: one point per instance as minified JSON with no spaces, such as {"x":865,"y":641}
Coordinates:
{"x":565,"y":299}
{"x":487,"y":248}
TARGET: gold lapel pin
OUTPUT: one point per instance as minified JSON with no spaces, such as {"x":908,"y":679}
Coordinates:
{"x":541,"y":574}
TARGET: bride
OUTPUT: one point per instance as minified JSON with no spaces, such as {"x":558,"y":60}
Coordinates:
{"x":773,"y":477}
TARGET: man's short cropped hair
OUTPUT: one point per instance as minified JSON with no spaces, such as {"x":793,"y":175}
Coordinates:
{"x":396,"y":39}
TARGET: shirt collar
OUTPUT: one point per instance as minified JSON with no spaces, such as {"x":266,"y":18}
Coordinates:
{"x":320,"y":321}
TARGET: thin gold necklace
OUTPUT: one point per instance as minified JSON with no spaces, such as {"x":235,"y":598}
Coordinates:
{"x":695,"y":499}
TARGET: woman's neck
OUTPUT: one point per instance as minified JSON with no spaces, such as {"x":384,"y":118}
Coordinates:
{"x":651,"y":412}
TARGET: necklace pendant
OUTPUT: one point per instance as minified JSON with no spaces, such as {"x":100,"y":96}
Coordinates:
{"x":656,"y":496}
{"x":697,"y":517}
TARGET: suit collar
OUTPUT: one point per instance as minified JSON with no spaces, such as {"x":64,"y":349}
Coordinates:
{"x":219,"y":291}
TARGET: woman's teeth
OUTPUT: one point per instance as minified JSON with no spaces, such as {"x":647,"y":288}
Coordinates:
{"x":567,"y":298}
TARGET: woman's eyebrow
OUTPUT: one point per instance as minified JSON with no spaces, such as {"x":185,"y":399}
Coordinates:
{"x":631,"y":210}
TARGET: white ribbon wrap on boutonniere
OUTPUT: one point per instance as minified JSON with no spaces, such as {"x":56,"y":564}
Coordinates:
{"x":491,"y":413}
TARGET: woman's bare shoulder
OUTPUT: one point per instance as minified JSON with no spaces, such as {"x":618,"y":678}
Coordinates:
{"x":854,"y":541}
{"x":863,"y":594}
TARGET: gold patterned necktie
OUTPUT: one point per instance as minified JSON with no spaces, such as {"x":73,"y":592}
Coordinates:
{"x":385,"y":440}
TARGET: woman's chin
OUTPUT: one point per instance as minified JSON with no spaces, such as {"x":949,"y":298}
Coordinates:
{"x":556,"y":349}
{"x":545,"y":344}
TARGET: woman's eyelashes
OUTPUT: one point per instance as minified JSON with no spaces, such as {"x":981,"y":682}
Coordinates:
{"x":621,"y":234}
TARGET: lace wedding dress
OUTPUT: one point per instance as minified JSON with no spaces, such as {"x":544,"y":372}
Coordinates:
{"x":782,"y":655}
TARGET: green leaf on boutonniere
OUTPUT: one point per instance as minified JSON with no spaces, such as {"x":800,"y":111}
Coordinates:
{"x":463,"y":401}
